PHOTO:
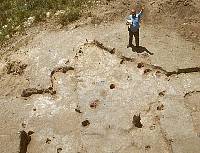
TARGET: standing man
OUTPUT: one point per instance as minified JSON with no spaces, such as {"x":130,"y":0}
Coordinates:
{"x":133,"y":21}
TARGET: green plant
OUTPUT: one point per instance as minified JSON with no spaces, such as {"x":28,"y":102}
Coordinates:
{"x":70,"y":16}
{"x":14,"y":13}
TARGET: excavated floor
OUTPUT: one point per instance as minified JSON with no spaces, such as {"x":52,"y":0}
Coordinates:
{"x":96,"y":99}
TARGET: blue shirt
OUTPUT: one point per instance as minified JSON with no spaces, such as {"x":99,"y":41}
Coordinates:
{"x":135,"y":21}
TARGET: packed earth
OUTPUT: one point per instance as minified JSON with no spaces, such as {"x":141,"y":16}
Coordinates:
{"x":78,"y":89}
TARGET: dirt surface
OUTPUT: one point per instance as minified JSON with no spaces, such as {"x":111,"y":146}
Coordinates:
{"x":180,"y":15}
{"x":80,"y":90}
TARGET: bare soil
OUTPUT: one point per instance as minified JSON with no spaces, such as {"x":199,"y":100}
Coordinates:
{"x":78,"y":89}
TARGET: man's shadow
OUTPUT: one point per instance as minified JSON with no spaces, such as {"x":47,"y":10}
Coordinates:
{"x":140,"y":49}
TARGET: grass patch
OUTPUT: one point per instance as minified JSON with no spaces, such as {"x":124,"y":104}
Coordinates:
{"x":70,"y":16}
{"x":13,"y":13}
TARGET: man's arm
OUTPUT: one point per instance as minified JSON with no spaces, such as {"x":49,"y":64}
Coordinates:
{"x":141,"y":12}
{"x":142,"y":9}
{"x":128,"y":20}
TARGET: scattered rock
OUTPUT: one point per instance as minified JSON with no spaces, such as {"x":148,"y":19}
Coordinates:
{"x":122,"y":61}
{"x":127,"y":59}
{"x":7,"y":36}
{"x":5,"y":26}
{"x":29,"y":22}
{"x":112,"y":86}
{"x":151,"y":3}
{"x":112,"y":51}
{"x":15,"y":68}
{"x":171,"y":140}
{"x":147,"y":147}
{"x":31,"y":91}
{"x":94,"y":104}
{"x":157,"y":118}
{"x":85,"y":123}
{"x":158,"y":73}
{"x":60,"y":12}
{"x":78,"y":110}
{"x":161,"y":94}
{"x":80,"y":51}
{"x":24,"y":141}
{"x":124,"y":3}
{"x":147,"y":71}
{"x":59,"y":150}
{"x":161,"y":107}
{"x":140,"y":65}
{"x":50,"y":91}
{"x":152,"y":127}
{"x":23,"y":125}
{"x":136,"y":121}
{"x":48,"y":141}
{"x":48,"y":14}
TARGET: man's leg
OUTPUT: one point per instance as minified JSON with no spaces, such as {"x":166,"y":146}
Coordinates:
{"x":130,"y":38}
{"x":136,"y":35}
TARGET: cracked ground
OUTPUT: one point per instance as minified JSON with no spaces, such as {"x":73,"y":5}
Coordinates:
{"x":78,"y":96}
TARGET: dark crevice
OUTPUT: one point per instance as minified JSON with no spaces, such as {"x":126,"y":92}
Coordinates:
{"x":123,"y":58}
{"x":25,"y":139}
{"x":179,"y":71}
{"x":190,"y":93}
{"x":63,"y":69}
{"x":160,"y":69}
{"x":32,"y":91}
{"x":100,"y":45}
{"x":186,"y":70}
{"x":149,"y":66}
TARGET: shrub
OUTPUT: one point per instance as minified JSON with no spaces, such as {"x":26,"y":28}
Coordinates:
{"x":15,"y":12}
{"x":70,"y":16}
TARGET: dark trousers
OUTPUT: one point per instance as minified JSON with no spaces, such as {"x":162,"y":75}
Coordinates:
{"x":136,"y":35}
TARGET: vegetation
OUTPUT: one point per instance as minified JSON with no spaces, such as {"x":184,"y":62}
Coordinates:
{"x":13,"y":13}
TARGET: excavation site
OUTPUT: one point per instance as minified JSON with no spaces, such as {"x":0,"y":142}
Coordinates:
{"x":78,"y":88}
